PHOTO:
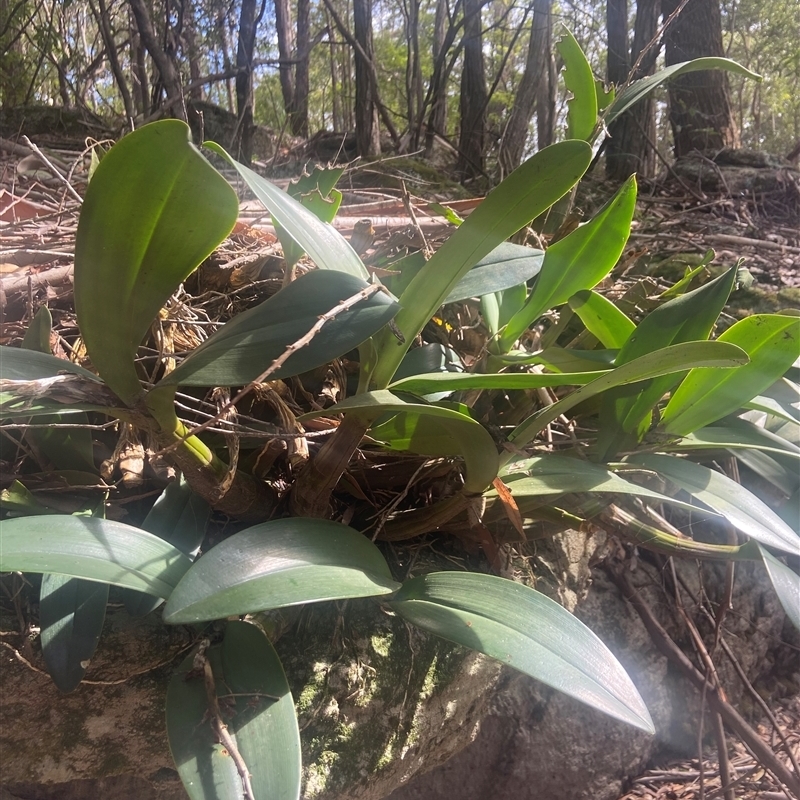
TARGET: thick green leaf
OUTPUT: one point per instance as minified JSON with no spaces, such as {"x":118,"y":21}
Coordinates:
{"x":739,"y":506}
{"x":578,"y":261}
{"x":602,"y":318}
{"x":771,"y":341}
{"x":71,"y":614}
{"x":315,"y":192}
{"x":429,"y":358}
{"x":280,"y":563}
{"x":506,"y":266}
{"x":675,"y":358}
{"x":155,"y":208}
{"x":259,"y":715}
{"x":66,"y":448}
{"x":526,"y":630}
{"x":17,"y":364}
{"x":94,"y":549}
{"x":638,"y":90}
{"x":473,"y":440}
{"x":625,"y":413}
{"x":736,"y":434}
{"x":562,"y":359}
{"x":439,"y":381}
{"x":578,"y":78}
{"x":179,"y":516}
{"x":17,"y":500}
{"x":37,"y":337}
{"x":323,"y":243}
{"x":246,"y":346}
{"x":544,"y":476}
{"x":523,"y":195}
{"x":786,"y":583}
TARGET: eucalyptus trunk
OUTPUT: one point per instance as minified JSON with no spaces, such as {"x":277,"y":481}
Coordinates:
{"x":535,"y":77}
{"x":472,"y":139}
{"x":699,"y":103}
{"x":367,"y":133}
{"x":630,"y":147}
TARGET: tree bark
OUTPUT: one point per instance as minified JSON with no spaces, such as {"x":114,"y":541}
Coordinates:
{"x":699,"y":103}
{"x":248,"y":22}
{"x":285,"y":33}
{"x":167,"y":71}
{"x":444,"y":36}
{"x":546,"y":100}
{"x":535,"y":76}
{"x":630,"y":146}
{"x":367,"y":133}
{"x":472,"y":138}
{"x":298,"y":118}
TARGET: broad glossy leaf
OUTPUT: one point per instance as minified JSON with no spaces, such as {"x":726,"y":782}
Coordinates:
{"x":641,"y":88}
{"x":602,"y":318}
{"x":528,"y":191}
{"x":671,"y":359}
{"x":474,"y":442}
{"x":562,"y":359}
{"x":499,"y":309}
{"x":438,"y":381}
{"x":179,"y":516}
{"x":771,"y":341}
{"x":506,"y":266}
{"x":578,"y":261}
{"x":259,"y":714}
{"x":71,"y":614}
{"x":279,"y":563}
{"x":526,"y":630}
{"x":246,"y":346}
{"x":691,"y":317}
{"x":578,"y":78}
{"x":324,"y":244}
{"x":786,"y":583}
{"x":155,"y":208}
{"x":429,"y":358}
{"x":549,"y":475}
{"x":739,"y":506}
{"x":94,"y":549}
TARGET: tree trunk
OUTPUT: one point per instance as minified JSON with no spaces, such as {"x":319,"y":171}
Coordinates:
{"x":243,"y":148}
{"x":515,"y":136}
{"x":367,"y":133}
{"x":630,"y":146}
{"x":699,"y":103}
{"x":104,"y":23}
{"x":473,"y":96}
{"x":141,"y":89}
{"x":414,"y":97}
{"x":443,"y":38}
{"x":546,"y":101}
{"x":166,"y":69}
{"x":285,"y":33}
{"x":299,"y":114}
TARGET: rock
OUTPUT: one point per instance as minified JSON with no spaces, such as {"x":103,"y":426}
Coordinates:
{"x":380,"y":702}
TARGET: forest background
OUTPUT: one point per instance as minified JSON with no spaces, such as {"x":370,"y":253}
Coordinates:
{"x":482,"y":76}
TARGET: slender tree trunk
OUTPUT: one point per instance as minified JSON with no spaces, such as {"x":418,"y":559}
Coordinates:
{"x":193,"y":52}
{"x":699,"y":103}
{"x":367,"y":133}
{"x":515,"y":136}
{"x":248,"y":22}
{"x":104,"y":23}
{"x":472,"y":138}
{"x":546,"y":99}
{"x":166,"y":69}
{"x":443,"y":38}
{"x":630,"y":146}
{"x":141,"y":90}
{"x":299,"y":112}
{"x":285,"y":33}
{"x":414,"y":97}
